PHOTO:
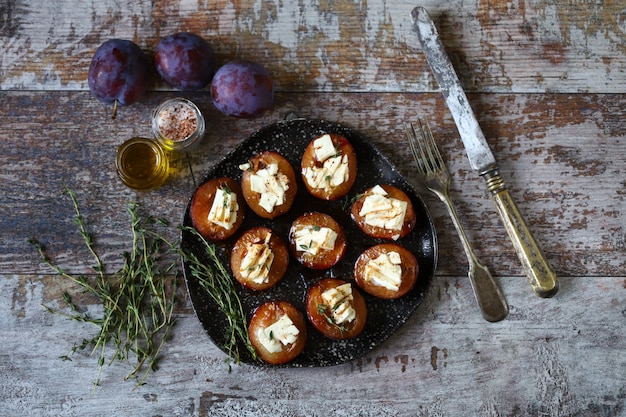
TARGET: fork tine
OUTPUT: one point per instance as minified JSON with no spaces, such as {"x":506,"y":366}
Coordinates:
{"x":417,"y":149}
{"x":423,"y":147}
{"x":411,"y":135}
{"x":431,"y":146}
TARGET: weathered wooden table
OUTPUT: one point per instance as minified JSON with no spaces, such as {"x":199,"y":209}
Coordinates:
{"x":548,"y":84}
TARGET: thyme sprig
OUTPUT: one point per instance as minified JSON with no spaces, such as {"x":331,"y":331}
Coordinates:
{"x":137,"y":301}
{"x":215,"y":280}
{"x":347,"y":201}
{"x":322,"y":309}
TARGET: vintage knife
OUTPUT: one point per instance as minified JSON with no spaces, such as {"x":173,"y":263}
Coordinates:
{"x":540,"y":274}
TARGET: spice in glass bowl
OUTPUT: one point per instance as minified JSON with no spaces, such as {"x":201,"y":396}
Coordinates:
{"x":141,"y":164}
{"x":178,"y":124}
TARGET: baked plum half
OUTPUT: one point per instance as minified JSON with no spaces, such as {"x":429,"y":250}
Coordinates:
{"x":329,"y":166}
{"x":269,"y":184}
{"x":259,"y":259}
{"x":384,"y":212}
{"x":316,"y":240}
{"x":277,"y":331}
{"x":336,"y":308}
{"x":217,"y":208}
{"x":386,"y":271}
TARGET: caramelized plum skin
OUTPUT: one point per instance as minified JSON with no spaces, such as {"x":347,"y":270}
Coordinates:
{"x":266,"y":315}
{"x":185,"y":61}
{"x":324,"y":259}
{"x":320,"y":319}
{"x":409,"y":267}
{"x":201,"y":205}
{"x":343,"y":148}
{"x":380,"y":232}
{"x":258,"y":162}
{"x":279,"y":264}
{"x":118,"y":72}
{"x":242,"y":89}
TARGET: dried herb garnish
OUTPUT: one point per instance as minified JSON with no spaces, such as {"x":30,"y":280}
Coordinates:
{"x":138,"y":300}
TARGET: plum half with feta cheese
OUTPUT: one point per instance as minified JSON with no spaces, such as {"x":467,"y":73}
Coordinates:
{"x":336,"y":308}
{"x":217,"y":208}
{"x":259,"y":259}
{"x":386,"y":271}
{"x":269,"y":184}
{"x":384,"y":212}
{"x":277,"y":331}
{"x":317,"y":241}
{"x":329,"y":166}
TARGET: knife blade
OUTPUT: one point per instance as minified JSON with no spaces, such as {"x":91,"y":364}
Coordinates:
{"x":540,"y":274}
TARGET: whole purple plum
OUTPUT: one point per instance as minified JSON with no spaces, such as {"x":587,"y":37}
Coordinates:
{"x":185,"y":61}
{"x":242,"y":89}
{"x":118,"y":72}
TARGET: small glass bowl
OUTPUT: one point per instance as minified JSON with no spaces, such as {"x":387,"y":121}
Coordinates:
{"x":178,"y":125}
{"x":141,"y":164}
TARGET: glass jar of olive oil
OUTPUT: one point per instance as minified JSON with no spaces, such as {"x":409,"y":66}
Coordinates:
{"x":141,"y":164}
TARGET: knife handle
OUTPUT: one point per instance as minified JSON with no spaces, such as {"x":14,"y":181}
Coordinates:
{"x":540,"y":274}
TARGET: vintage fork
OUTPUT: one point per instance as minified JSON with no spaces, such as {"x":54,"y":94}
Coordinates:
{"x":492,"y":304}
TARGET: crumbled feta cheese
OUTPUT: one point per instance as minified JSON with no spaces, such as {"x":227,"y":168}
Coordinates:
{"x":256,"y":265}
{"x":312,"y":239}
{"x":271,"y":184}
{"x":339,"y":301}
{"x":280,"y":333}
{"x":224,"y":208}
{"x":324,"y":148}
{"x":380,"y":210}
{"x":385,"y":271}
{"x":332,"y":173}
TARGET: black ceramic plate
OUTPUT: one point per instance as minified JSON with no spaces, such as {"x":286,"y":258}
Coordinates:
{"x":290,"y":138}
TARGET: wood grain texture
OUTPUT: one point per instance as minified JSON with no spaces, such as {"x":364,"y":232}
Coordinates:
{"x":497,"y":46}
{"x":546,"y":81}
{"x":446,"y":360}
{"x":561,"y":155}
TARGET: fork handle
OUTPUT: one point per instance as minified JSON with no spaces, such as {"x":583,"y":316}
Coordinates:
{"x":540,"y":274}
{"x":491,"y":301}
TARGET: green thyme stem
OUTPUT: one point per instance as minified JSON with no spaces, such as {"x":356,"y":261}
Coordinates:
{"x":138,"y":300}
{"x":83,"y":232}
{"x":215,"y":280}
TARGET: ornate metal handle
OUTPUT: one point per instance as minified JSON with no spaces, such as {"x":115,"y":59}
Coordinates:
{"x":540,"y":274}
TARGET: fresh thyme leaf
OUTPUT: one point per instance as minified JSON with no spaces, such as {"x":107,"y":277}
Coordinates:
{"x":347,"y":202}
{"x":322,"y":310}
{"x":305,"y":248}
{"x":138,"y":300}
{"x":339,"y":303}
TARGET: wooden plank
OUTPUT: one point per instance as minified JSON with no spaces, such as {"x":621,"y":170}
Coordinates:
{"x":561,"y":155}
{"x":555,"y":357}
{"x":546,"y":80}
{"x":528,"y":46}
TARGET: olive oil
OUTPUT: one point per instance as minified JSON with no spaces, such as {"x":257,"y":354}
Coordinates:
{"x":141,"y":164}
